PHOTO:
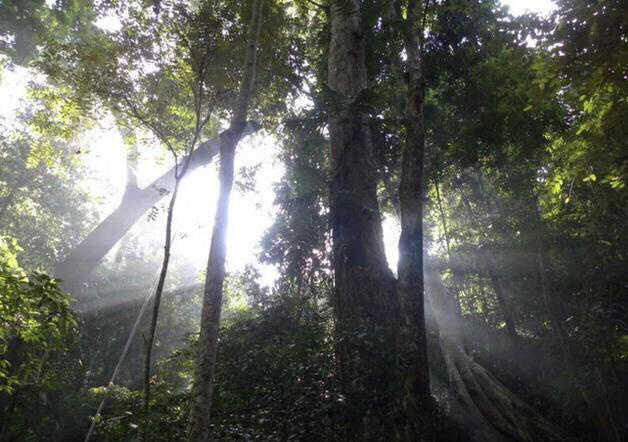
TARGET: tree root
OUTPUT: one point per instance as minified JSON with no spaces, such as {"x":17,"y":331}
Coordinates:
{"x":496,"y":411}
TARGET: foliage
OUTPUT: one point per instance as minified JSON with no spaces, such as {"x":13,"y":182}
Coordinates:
{"x":36,"y":319}
{"x":275,"y":380}
{"x":40,"y":205}
{"x":26,"y":25}
{"x":525,"y":211}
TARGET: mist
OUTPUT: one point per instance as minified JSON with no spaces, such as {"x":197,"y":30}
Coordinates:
{"x":274,"y":220}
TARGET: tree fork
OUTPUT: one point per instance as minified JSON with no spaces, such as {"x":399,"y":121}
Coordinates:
{"x":198,"y":429}
{"x":75,"y":269}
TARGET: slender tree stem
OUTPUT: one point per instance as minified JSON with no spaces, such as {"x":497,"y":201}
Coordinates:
{"x":414,"y":398}
{"x":198,"y":429}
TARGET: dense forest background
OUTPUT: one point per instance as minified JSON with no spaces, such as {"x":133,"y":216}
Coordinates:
{"x":491,"y":147}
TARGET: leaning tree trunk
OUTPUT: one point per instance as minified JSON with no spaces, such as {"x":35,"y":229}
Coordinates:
{"x":496,"y":411}
{"x":75,"y":269}
{"x":201,"y":398}
{"x":364,"y":294}
{"x":415,"y":400}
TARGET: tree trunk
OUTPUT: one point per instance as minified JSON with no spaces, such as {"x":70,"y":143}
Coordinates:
{"x":156,"y":305}
{"x":364,"y":293}
{"x":501,"y":298}
{"x":75,"y":269}
{"x":415,"y":400}
{"x":490,"y":265}
{"x":201,"y":398}
{"x":443,"y":218}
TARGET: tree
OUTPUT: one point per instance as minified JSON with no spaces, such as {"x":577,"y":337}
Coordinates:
{"x":75,"y":269}
{"x":28,"y":25}
{"x":416,"y":400}
{"x":37,"y":325}
{"x":366,"y":302}
{"x":504,"y":161}
{"x":37,"y":193}
{"x":174,"y":103}
{"x":201,"y":398}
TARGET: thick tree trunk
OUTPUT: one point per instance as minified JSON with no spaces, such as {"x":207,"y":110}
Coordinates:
{"x":497,"y":412}
{"x":415,"y":397}
{"x":75,"y":269}
{"x":201,"y":398}
{"x":364,"y":292}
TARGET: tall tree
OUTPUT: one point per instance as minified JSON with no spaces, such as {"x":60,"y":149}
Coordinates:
{"x":202,"y":114}
{"x":416,"y":399}
{"x":365,"y":301}
{"x":201,"y":397}
{"x":145,"y":74}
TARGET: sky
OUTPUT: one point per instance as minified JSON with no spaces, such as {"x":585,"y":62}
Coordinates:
{"x":250,"y":214}
{"x":541,"y":7}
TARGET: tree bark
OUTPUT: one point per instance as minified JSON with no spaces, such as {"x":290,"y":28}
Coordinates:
{"x":75,"y":269}
{"x":415,"y":399}
{"x":501,"y":298}
{"x":201,"y":398}
{"x":364,"y":297}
